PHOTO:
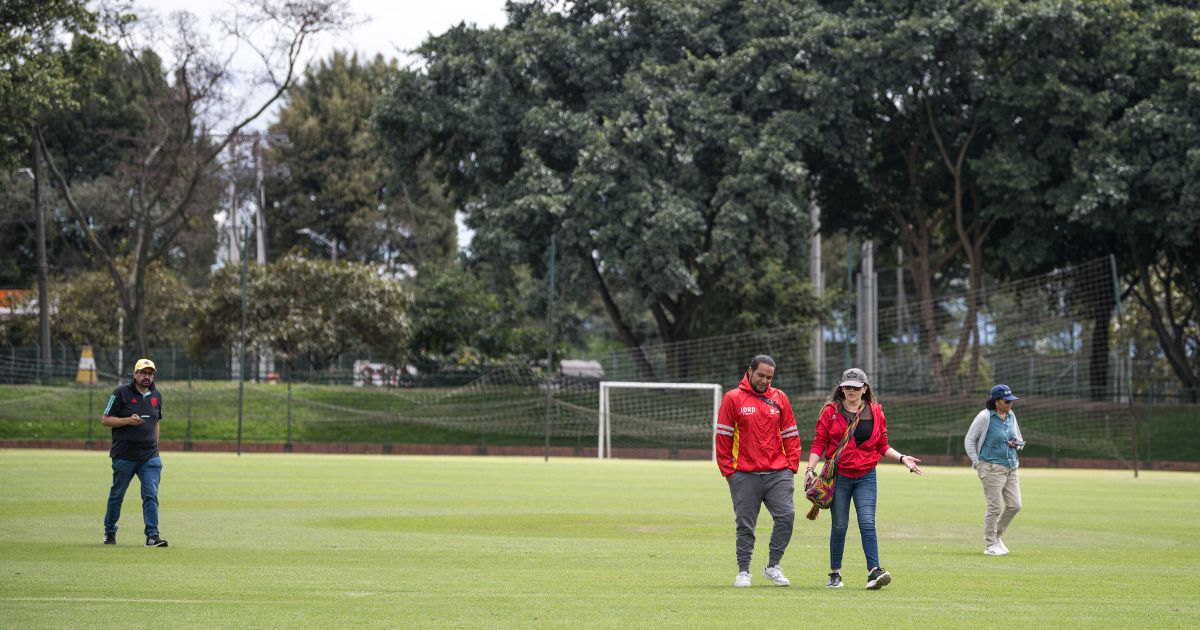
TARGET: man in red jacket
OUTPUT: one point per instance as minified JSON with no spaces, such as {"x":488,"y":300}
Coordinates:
{"x":758,"y":452}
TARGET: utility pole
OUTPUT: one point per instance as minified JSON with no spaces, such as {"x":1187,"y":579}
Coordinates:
{"x":261,"y":218}
{"x":235,"y":250}
{"x":266,"y":360}
{"x":232,"y":224}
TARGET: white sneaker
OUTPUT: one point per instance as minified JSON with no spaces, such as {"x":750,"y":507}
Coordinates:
{"x":743,"y":579}
{"x":1001,"y":545}
{"x":995,"y":550}
{"x":775,"y":574}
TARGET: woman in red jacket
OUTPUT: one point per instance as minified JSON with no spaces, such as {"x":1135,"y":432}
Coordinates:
{"x":851,"y":399}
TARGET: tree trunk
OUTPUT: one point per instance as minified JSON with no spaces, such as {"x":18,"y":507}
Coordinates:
{"x":42,"y":266}
{"x":645,"y":370}
{"x":1173,"y":345}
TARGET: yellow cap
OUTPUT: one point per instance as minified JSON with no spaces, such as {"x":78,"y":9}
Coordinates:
{"x":143,"y":364}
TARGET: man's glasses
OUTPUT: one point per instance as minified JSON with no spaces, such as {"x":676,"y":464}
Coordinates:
{"x":852,"y":388}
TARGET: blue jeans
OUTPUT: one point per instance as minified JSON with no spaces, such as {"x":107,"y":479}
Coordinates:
{"x":864,"y":492}
{"x":148,"y":472}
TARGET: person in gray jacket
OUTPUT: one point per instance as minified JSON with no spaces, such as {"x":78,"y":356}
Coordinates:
{"x":992,"y":443}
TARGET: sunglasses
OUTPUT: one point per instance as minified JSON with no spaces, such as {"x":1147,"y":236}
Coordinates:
{"x":852,"y":388}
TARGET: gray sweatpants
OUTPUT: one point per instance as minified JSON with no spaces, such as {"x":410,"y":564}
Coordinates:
{"x":749,"y":492}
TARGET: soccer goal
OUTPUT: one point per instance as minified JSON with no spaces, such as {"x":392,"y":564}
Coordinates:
{"x":671,"y":415}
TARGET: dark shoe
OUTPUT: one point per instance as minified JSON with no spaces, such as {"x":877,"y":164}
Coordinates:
{"x":835,"y":580}
{"x":110,"y":538}
{"x":155,"y":541}
{"x":878,"y":579}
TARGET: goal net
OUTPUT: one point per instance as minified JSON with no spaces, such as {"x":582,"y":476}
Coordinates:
{"x":675,"y":416}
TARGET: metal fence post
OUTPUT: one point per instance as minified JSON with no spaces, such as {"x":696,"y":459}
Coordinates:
{"x":187,"y":439}
{"x":287,"y":446}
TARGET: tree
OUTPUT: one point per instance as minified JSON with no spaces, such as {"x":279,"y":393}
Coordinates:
{"x":163,"y":180}
{"x":315,"y":309}
{"x":34,"y":77}
{"x":32,"y":81}
{"x":332,"y":178}
{"x":955,"y":122}
{"x":457,"y":319}
{"x":1135,"y":189}
{"x":86,"y":309}
{"x":658,"y":142}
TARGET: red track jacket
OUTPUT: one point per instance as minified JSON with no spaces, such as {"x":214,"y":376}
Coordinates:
{"x":754,"y":436}
{"x":858,"y":459}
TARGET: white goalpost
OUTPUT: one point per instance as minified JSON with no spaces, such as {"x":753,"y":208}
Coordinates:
{"x":604,"y":446}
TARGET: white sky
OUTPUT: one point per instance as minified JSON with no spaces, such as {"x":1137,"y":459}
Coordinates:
{"x":388,"y":28}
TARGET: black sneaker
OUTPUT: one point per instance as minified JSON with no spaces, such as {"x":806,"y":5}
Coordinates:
{"x":155,"y":541}
{"x":878,"y":579}
{"x":835,"y":580}
{"x":110,"y":538}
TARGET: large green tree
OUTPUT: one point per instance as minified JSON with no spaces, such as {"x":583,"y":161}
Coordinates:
{"x":1135,"y":190}
{"x":332,"y":178}
{"x":660,"y":143}
{"x":34,"y":81}
{"x":34,"y":73}
{"x":962,"y":125}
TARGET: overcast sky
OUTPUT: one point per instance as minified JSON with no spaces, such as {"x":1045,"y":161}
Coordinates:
{"x":386,"y":27}
{"x":389,"y":26}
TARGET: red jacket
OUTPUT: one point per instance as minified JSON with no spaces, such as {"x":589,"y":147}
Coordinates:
{"x":857,"y":459}
{"x":754,"y":436}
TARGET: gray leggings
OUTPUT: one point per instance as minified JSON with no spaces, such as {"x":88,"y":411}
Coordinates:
{"x":749,"y":491}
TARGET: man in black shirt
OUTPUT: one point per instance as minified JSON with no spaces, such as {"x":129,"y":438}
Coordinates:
{"x":133,"y":412}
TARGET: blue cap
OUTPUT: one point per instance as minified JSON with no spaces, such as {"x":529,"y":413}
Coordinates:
{"x":1003,"y":391}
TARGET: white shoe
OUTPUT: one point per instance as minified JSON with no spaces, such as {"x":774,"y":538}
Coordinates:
{"x":995,"y":550}
{"x":743,"y":579}
{"x":1001,"y":545}
{"x":775,"y":574}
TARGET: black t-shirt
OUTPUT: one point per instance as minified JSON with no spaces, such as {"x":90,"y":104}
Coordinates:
{"x":137,"y":442}
{"x":866,"y":423}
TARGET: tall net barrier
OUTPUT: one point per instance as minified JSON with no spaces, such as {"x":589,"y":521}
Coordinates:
{"x":1052,"y":338}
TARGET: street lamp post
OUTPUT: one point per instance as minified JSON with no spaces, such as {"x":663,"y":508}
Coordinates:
{"x":320,"y":238}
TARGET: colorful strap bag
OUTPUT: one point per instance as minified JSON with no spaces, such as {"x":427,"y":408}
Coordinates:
{"x":820,"y":492}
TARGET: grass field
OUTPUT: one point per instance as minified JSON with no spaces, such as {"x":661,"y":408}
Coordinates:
{"x":368,"y":541}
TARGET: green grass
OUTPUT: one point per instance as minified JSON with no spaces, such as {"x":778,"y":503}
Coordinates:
{"x":332,"y":541}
